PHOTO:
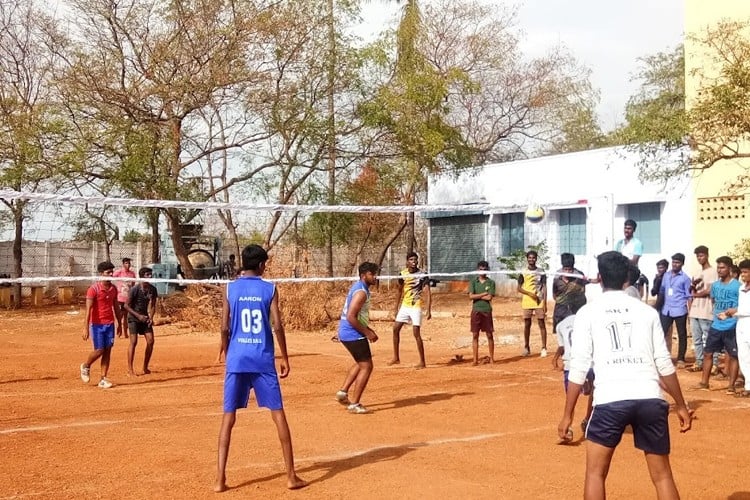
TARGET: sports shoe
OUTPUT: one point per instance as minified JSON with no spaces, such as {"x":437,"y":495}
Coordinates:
{"x":105,"y":384}
{"x":543,"y":353}
{"x":357,"y":408}
{"x":526,"y":352}
{"x":85,"y":373}
{"x":342,"y":397}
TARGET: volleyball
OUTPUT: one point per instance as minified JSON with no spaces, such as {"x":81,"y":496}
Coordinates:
{"x":534,"y":214}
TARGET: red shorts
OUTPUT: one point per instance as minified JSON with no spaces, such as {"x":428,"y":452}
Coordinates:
{"x":481,"y":321}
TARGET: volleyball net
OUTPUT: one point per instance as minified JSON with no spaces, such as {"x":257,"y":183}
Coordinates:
{"x":64,"y":237}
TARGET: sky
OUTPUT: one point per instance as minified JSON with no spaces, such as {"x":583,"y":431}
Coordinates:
{"x":607,"y":36}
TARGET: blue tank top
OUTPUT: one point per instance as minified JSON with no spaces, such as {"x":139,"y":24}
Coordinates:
{"x":250,"y":348}
{"x":726,"y":296}
{"x":346,"y":331}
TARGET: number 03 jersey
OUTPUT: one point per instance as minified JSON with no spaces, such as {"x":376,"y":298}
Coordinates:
{"x":621,"y":338}
{"x":250,"y":348}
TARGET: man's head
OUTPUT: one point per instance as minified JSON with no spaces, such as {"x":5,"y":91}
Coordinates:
{"x":661,"y":266}
{"x":254,"y":259}
{"x":145,"y":272}
{"x":126,"y":263}
{"x":368,"y":272}
{"x":568,"y":262}
{"x":734,"y":271}
{"x":613,"y":270}
{"x":629,"y":228}
{"x":232,"y":258}
{"x":105,"y":268}
{"x":483,"y":265}
{"x":531,"y":257}
{"x":412,"y":260}
{"x":701,"y":254}
{"x":744,"y":266}
{"x":678,"y":260}
{"x":724,"y":267}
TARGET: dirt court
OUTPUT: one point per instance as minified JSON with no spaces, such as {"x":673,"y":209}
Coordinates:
{"x":452,"y":430}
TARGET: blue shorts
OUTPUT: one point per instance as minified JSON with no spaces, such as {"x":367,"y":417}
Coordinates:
{"x":237,"y":390}
{"x":588,"y":384}
{"x":716,"y":340}
{"x":647,"y":417}
{"x":103,"y":336}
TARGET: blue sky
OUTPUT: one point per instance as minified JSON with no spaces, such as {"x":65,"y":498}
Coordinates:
{"x":606,"y":36}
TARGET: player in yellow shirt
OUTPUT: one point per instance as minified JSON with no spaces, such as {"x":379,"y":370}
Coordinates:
{"x":414,"y":289}
{"x":532,"y":285}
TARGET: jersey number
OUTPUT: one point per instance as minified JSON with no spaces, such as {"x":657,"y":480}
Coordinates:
{"x":252,"y":321}
{"x":619,"y":333}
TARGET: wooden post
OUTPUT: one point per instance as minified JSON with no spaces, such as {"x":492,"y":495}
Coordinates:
{"x":6,"y":296}
{"x":37,"y":295}
{"x":65,"y":294}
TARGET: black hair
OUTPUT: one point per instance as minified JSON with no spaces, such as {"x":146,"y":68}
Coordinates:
{"x":532,"y":252}
{"x":744,"y":264}
{"x":679,"y":256}
{"x":368,"y":267}
{"x":727,"y":261}
{"x":663,"y":262}
{"x":567,"y":259}
{"x":144,"y":271}
{"x":634,"y":274}
{"x":252,"y":256}
{"x":484,"y":264}
{"x":411,"y":254}
{"x":104,"y":266}
{"x":631,"y":223}
{"x":701,"y":249}
{"x":613,"y":269}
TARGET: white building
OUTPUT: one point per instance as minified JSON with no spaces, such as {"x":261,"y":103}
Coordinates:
{"x":587,"y":197}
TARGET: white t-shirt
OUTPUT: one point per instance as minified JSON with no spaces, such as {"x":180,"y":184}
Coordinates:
{"x":702,"y":307}
{"x":622,"y":340}
{"x":743,"y":313}
{"x":564,"y":333}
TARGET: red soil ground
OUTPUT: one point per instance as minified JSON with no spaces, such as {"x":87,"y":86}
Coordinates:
{"x":452,"y":430}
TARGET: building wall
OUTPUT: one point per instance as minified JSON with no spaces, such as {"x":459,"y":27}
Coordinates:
{"x":724,"y":219}
{"x":603,"y":181}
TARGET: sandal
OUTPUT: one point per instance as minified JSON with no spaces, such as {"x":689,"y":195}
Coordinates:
{"x":695,"y":369}
{"x":730,"y":391}
{"x":742,"y":394}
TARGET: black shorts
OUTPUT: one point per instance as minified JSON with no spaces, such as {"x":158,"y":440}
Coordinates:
{"x":481,"y":321}
{"x":359,"y":349}
{"x":140,"y":327}
{"x":718,"y":340}
{"x":647,"y":417}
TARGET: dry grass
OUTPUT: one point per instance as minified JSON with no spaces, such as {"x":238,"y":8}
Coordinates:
{"x":304,"y":306}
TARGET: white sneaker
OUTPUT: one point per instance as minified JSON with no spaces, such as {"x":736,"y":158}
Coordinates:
{"x":357,"y":408}
{"x":543,"y":353}
{"x":342,"y":397}
{"x":526,"y":352}
{"x":105,"y":384}
{"x":85,"y":373}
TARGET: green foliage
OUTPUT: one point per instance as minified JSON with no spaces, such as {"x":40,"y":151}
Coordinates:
{"x":741,"y":251}
{"x":133,"y":236}
{"x":656,"y":114}
{"x":516,"y":261}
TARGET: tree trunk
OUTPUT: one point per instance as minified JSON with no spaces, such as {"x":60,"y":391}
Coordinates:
{"x":173,"y":222}
{"x":391,"y":238}
{"x":18,"y":251}
{"x":331,"y":70}
{"x":153,"y":222}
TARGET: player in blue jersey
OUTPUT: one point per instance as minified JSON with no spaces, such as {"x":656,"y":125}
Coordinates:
{"x":354,"y":333}
{"x":251,"y":308}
